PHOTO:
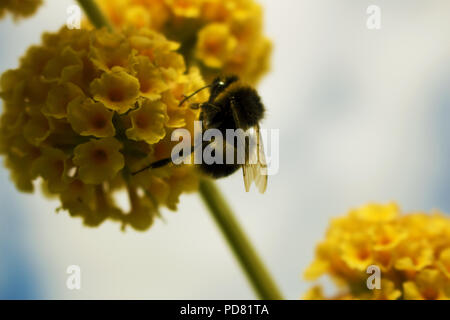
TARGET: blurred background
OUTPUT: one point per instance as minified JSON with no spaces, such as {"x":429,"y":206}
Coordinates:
{"x":362,"y":117}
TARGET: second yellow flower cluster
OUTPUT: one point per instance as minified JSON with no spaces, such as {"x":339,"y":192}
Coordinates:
{"x":412,"y":251}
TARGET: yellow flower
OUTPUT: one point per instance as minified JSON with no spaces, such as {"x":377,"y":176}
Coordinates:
{"x":150,"y":77}
{"x":315,"y":293}
{"x":63,"y":66}
{"x":388,"y":291}
{"x":148,"y":122}
{"x":411,"y":251}
{"x":357,"y":252}
{"x":182,"y":179}
{"x":13,"y":83}
{"x":78,"y":198}
{"x":142,"y":211}
{"x":90,"y":118}
{"x":185,"y":8}
{"x":414,"y":256}
{"x":59,"y":97}
{"x":428,"y":285}
{"x":386,"y":237}
{"x":19,"y":8}
{"x":215,"y":45}
{"x":184,"y":116}
{"x":377,"y":213}
{"x":215,"y":10}
{"x":19,"y":155}
{"x":111,"y":50}
{"x":52,"y":167}
{"x":86,"y":108}
{"x":316,"y":269}
{"x":444,"y":262}
{"x":138,"y":16}
{"x":116,"y":89}
{"x":37,"y":129}
{"x":220,"y":37}
{"x":98,"y":160}
{"x":91,"y":202}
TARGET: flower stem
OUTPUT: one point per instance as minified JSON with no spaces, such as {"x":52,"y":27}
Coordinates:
{"x":94,"y":14}
{"x":254,"y":268}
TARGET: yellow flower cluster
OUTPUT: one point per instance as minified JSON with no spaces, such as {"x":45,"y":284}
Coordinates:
{"x":221,"y":37}
{"x":19,"y":8}
{"x":86,"y":109}
{"x":412,"y":252}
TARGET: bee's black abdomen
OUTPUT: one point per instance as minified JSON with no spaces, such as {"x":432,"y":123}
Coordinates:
{"x":217,"y":171}
{"x":248,"y":105}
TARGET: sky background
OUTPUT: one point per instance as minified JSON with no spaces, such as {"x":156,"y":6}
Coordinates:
{"x":362,"y":117}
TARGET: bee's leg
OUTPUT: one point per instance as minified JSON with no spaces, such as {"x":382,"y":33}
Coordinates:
{"x":161,"y":163}
{"x":195,"y":106}
{"x":210,"y":106}
{"x":206,"y":105}
{"x":154,"y":165}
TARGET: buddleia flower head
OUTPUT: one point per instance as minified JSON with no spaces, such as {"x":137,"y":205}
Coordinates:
{"x":85,"y":109}
{"x":19,"y":8}
{"x":221,"y":37}
{"x":412,"y":252}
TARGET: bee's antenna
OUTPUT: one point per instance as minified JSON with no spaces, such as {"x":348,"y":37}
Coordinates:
{"x":193,"y":94}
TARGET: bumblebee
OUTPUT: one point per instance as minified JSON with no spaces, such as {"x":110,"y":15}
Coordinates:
{"x":231,"y":105}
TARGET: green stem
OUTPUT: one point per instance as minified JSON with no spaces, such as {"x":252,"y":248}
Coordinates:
{"x":254,"y":268}
{"x":94,"y":14}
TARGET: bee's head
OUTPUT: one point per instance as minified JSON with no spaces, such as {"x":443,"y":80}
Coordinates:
{"x":224,"y":82}
{"x":219,"y":84}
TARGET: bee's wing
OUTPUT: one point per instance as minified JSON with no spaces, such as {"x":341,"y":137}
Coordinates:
{"x":255,"y":167}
